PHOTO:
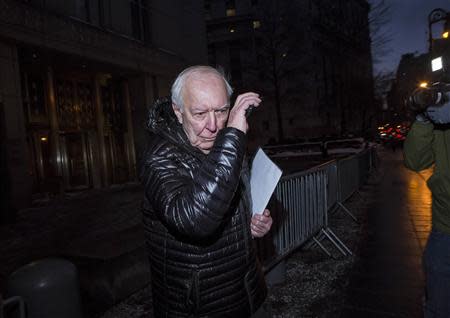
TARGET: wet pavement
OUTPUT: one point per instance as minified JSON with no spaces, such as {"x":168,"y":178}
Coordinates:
{"x":382,"y":279}
{"x":387,"y":280}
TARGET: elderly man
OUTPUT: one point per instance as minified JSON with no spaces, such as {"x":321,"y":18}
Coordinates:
{"x":197,"y":202}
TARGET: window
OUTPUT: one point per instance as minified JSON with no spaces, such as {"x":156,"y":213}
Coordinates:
{"x":140,"y":20}
{"x":235,"y":63}
{"x":33,"y":97}
{"x":82,"y":10}
{"x":256,"y":24}
{"x":212,"y":58}
{"x":207,"y":7}
{"x":231,"y":12}
{"x":230,"y":8}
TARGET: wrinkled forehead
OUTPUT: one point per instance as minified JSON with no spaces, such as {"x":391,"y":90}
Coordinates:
{"x":205,"y":86}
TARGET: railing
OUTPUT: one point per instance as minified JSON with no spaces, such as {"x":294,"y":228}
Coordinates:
{"x":299,"y":212}
{"x":351,"y":145}
{"x":302,"y":201}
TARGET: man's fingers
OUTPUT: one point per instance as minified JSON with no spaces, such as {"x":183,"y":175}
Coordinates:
{"x":237,"y":117}
{"x":247,"y":99}
{"x":262,"y":222}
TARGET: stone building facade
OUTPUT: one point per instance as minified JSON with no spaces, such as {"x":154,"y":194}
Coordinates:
{"x":76,"y":80}
{"x":310,"y":57}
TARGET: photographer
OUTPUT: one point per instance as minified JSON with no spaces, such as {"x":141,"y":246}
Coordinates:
{"x":428,"y":144}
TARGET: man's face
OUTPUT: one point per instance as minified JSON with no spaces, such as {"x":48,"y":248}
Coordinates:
{"x":205,"y":109}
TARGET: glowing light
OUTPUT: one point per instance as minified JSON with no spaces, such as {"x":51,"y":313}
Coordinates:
{"x":436,"y":64}
{"x":43,"y":138}
{"x":231,"y":12}
{"x":423,"y":84}
{"x":445,"y":35}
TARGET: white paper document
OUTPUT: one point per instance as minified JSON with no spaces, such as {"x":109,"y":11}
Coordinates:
{"x":264,"y":177}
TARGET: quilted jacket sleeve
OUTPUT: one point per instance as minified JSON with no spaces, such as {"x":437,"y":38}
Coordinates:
{"x":195,"y":206}
{"x":417,"y":150}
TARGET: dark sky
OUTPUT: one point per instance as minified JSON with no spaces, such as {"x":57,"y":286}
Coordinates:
{"x":408,"y":28}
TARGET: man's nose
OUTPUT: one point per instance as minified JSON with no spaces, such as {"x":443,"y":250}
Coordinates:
{"x":212,"y":122}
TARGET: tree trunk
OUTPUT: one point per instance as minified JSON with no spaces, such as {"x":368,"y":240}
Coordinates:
{"x":277,"y":98}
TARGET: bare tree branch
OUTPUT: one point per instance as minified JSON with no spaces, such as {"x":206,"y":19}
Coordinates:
{"x":379,"y":16}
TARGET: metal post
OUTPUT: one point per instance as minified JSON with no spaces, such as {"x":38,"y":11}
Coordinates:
{"x":435,"y":16}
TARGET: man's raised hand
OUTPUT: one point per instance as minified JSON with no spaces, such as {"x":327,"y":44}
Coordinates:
{"x":237,"y":117}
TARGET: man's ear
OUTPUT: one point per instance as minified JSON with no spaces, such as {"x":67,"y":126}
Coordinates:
{"x":178,"y":113}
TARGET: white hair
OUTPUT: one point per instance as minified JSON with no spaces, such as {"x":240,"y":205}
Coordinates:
{"x":180,"y":81}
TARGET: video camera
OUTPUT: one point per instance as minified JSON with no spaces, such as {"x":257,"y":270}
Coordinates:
{"x":435,"y":94}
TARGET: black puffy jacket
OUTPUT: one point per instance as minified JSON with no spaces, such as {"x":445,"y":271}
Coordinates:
{"x":197,"y":221}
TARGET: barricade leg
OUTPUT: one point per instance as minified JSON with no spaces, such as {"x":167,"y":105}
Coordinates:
{"x":327,"y":233}
{"x":315,"y":240}
{"x":347,"y":211}
{"x":337,"y":242}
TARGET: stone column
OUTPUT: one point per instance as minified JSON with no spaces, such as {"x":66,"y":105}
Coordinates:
{"x":17,"y":159}
{"x":129,"y":136}
{"x":142,"y":95}
{"x":103,"y":162}
{"x":5,"y":184}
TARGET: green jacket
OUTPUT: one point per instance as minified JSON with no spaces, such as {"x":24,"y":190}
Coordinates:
{"x":424,"y":147}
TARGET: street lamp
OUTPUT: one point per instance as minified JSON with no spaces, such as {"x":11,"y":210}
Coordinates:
{"x":446,"y":31}
{"x":435,"y":16}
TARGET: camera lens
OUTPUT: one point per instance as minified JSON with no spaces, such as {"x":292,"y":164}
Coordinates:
{"x":421,"y":98}
{"x":426,"y":97}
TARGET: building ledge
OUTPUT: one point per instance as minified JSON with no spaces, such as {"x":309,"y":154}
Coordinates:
{"x":30,"y":26}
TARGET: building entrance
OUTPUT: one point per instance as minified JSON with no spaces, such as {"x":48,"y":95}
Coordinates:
{"x":78,"y":127}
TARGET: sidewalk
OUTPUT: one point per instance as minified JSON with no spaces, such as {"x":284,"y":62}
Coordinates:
{"x":387,"y":280}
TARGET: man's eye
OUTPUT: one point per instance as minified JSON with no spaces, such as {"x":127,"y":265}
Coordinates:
{"x":201,"y":114}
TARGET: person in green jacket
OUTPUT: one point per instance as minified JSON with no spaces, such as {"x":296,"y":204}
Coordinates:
{"x":428,"y":144}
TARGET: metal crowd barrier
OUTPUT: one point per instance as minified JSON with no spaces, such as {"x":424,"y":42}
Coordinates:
{"x":302,"y":201}
{"x":352,"y":173}
{"x":299,"y":211}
